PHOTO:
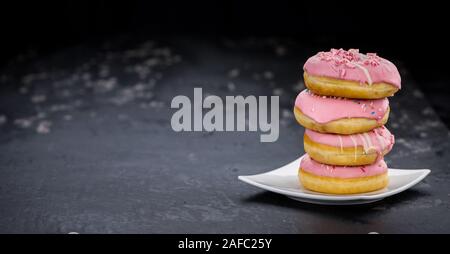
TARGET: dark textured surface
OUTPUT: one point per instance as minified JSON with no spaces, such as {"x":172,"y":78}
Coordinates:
{"x":109,"y":161}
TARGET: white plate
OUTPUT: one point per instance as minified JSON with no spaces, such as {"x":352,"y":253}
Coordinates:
{"x":284,"y":180}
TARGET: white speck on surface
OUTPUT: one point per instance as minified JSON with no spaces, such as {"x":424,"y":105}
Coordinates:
{"x":165,"y":52}
{"x":105,"y":85}
{"x":437,"y":202}
{"x":104,"y":71}
{"x":43,"y":127}
{"x":152,"y":62}
{"x":373,"y":233}
{"x":122,"y":117}
{"x":278,"y":91}
{"x":38,"y":98}
{"x":124,"y":96}
{"x":414,"y":146}
{"x":68,"y":117}
{"x":286,"y":113}
{"x":177,"y":58}
{"x":280,"y":50}
{"x":139,"y":87}
{"x":29,"y":78}
{"x":427,"y":111}
{"x":41,"y":115}
{"x":66,"y":93}
{"x":141,"y":52}
{"x":418,"y":94}
{"x":23,"y":122}
{"x":299,"y":86}
{"x":268,"y":75}
{"x":142,"y":71}
{"x":233,"y":73}
{"x":192,"y":157}
{"x":86,"y":76}
{"x":77,"y":103}
{"x":73,"y":233}
{"x":156,"y":104}
{"x":59,"y":107}
{"x":23,"y":90}
{"x":426,"y":125}
{"x":231,"y":86}
{"x":423,"y":135}
{"x":3,"y":119}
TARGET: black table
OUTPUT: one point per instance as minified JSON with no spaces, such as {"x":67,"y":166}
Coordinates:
{"x":86,"y":144}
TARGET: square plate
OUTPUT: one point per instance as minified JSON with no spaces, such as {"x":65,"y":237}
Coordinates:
{"x":284,"y":180}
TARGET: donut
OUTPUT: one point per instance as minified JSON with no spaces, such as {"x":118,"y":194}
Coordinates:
{"x":339,"y":115}
{"x":328,"y":179}
{"x":348,"y":150}
{"x":351,"y":74}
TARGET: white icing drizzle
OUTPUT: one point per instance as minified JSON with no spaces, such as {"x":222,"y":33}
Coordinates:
{"x":354,"y":144}
{"x":365,"y":146}
{"x":340,"y":143}
{"x":366,"y":72}
{"x":380,"y":141}
{"x":369,"y":142}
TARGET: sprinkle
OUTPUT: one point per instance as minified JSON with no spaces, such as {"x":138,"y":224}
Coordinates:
{"x":348,"y":58}
{"x":372,"y":113}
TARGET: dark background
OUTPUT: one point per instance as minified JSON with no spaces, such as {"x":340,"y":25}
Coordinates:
{"x":413,"y":33}
{"x":85,"y":138}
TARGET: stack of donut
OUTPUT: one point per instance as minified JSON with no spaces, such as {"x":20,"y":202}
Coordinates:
{"x":344,"y":109}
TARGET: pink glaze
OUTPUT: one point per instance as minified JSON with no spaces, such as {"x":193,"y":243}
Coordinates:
{"x":323,"y":109}
{"x":352,"y":65}
{"x":376,"y":140}
{"x":319,"y":169}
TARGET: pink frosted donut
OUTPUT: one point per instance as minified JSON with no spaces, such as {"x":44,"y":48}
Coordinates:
{"x":339,"y":115}
{"x":348,"y":150}
{"x":351,"y":74}
{"x":342,"y":179}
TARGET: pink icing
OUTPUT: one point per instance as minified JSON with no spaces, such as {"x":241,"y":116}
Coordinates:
{"x":323,"y":109}
{"x":352,"y":65}
{"x":319,"y":169}
{"x":376,"y":140}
